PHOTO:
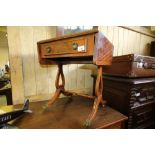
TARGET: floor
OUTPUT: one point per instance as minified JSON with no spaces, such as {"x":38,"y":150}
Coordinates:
{"x":3,"y":101}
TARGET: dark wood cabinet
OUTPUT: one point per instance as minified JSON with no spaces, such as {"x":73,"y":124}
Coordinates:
{"x":152,"y":49}
{"x":134,"y":98}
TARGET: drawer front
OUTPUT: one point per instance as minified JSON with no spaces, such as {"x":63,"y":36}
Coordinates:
{"x":142,"y":115}
{"x":69,"y":47}
{"x":142,"y":95}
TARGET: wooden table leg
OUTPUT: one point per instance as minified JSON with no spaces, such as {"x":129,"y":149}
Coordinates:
{"x":98,"y":97}
{"x":59,"y":87}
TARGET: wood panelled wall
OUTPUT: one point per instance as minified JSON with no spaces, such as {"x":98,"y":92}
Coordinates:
{"x":31,"y":80}
{"x":127,"y":41}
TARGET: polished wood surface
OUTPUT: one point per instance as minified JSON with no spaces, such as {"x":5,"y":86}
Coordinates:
{"x":103,"y":51}
{"x":67,"y":47}
{"x":97,"y":49}
{"x":69,"y":36}
{"x":131,"y":65}
{"x":67,"y":113}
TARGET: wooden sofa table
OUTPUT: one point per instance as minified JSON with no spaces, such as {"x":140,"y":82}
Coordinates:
{"x":68,"y":113}
{"x":89,"y":47}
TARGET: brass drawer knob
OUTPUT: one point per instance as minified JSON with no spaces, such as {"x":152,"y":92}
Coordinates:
{"x":75,"y":46}
{"x":48,"y":49}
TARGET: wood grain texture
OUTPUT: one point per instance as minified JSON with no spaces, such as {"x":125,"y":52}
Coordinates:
{"x":54,"y":48}
{"x":40,"y":70}
{"x":120,"y":41}
{"x":137,"y":43}
{"x":132,"y":41}
{"x":26,"y":38}
{"x":15,"y":57}
{"x":103,"y":50}
{"x":115,"y":41}
{"x":110,"y":33}
{"x":125,"y":41}
{"x":140,"y":29}
{"x":67,"y":114}
{"x":130,"y":69}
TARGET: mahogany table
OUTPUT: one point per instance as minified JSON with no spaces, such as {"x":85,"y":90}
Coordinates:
{"x":90,"y":47}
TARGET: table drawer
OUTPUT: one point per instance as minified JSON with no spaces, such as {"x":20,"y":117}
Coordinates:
{"x":73,"y":46}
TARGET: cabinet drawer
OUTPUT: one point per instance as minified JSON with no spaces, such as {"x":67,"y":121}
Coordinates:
{"x":141,"y":115}
{"x":69,"y":47}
